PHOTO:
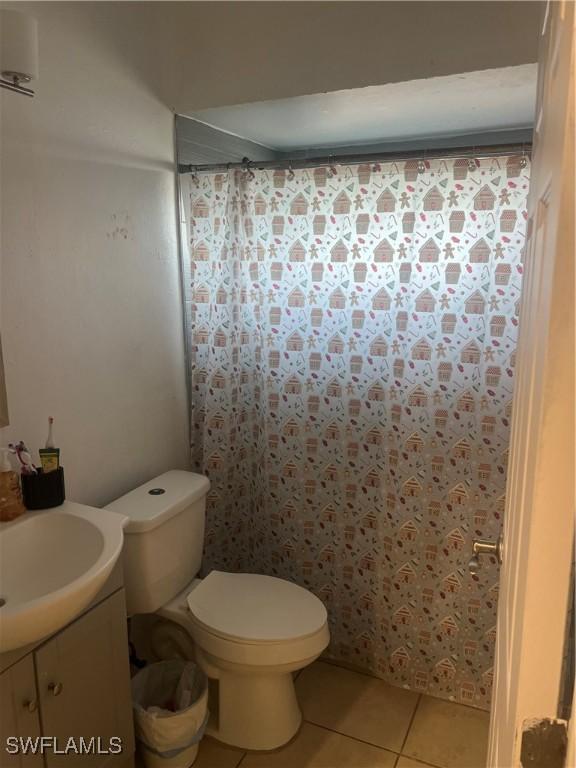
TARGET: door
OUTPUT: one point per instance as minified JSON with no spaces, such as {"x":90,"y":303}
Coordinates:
{"x":84,"y":685}
{"x":539,"y":522}
{"x":19,"y":713}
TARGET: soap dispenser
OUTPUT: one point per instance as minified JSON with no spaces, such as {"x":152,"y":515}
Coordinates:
{"x":11,"y":505}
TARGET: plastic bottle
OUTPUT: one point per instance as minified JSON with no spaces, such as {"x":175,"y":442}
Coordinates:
{"x":11,"y":505}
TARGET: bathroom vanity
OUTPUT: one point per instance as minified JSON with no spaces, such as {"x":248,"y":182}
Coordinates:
{"x":75,"y":682}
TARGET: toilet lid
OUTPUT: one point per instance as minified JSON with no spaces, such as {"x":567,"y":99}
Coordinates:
{"x":256,"y":608}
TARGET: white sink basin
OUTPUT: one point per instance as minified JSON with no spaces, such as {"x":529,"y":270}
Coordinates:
{"x":52,"y":564}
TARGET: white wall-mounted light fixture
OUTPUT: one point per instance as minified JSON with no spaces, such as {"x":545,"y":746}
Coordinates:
{"x":18,"y":51}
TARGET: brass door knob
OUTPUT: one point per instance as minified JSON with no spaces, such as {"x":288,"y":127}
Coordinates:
{"x":31,"y":705}
{"x":55,"y":688}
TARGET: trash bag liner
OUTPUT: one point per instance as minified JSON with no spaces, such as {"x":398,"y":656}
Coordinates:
{"x":170,"y":702}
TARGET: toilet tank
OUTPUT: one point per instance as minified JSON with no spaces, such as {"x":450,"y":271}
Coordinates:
{"x":163,"y":539}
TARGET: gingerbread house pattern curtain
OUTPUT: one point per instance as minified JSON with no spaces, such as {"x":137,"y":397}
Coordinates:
{"x":353,"y":332}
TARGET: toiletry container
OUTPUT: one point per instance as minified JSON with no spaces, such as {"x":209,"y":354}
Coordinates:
{"x":11,"y":505}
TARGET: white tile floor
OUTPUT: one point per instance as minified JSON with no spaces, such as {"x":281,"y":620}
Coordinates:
{"x":352,"y":720}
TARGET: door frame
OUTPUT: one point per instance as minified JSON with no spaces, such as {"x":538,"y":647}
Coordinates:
{"x":539,"y":519}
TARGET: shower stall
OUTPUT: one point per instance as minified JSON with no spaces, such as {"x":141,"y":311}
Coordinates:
{"x":351,"y":328}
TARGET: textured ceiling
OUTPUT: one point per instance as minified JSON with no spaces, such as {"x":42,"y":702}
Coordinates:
{"x":473,"y":102}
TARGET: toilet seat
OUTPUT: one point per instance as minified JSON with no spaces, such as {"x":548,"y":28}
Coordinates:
{"x":254,"y":608}
{"x":246,"y":618}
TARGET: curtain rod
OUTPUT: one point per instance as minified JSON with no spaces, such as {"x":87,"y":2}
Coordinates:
{"x":501,"y":150}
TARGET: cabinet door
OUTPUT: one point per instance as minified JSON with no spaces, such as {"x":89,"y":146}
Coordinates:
{"x":84,"y":685}
{"x":19,"y":714}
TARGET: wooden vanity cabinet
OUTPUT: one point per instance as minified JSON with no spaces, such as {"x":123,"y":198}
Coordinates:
{"x":75,"y":684}
{"x":19,"y":715}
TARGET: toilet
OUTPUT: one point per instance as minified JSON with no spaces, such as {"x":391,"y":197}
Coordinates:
{"x":248,"y":632}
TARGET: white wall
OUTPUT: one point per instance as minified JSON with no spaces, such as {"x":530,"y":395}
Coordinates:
{"x":210,"y":54}
{"x":90,"y":309}
{"x":90,"y":312}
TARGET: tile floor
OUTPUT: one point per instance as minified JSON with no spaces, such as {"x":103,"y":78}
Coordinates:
{"x":352,"y":720}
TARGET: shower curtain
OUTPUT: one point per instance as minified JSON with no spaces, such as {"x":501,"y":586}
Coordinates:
{"x":352,"y":332}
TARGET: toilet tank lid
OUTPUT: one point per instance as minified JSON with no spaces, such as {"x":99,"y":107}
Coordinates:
{"x":156,"y":501}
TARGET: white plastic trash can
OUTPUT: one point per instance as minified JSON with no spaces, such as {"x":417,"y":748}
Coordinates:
{"x":170,"y":702}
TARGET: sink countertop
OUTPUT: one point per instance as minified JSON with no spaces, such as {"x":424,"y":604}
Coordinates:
{"x":68,"y":507}
{"x":53,"y":562}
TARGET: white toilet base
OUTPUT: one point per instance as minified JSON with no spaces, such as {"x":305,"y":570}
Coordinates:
{"x":254,"y":708}
{"x":252,"y":700}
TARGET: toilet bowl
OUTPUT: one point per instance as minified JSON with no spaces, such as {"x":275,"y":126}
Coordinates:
{"x":249,"y":632}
